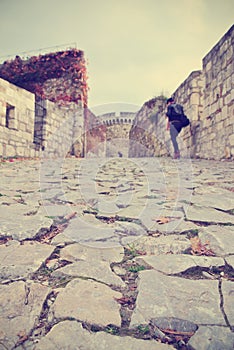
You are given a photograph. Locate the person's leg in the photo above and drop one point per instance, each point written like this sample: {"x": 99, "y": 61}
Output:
{"x": 174, "y": 133}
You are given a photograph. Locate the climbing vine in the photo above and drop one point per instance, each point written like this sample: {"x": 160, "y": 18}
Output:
{"x": 60, "y": 77}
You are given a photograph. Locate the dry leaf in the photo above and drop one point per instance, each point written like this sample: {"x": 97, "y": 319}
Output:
{"x": 124, "y": 300}
{"x": 200, "y": 249}
{"x": 22, "y": 337}
{"x": 163, "y": 220}
{"x": 70, "y": 216}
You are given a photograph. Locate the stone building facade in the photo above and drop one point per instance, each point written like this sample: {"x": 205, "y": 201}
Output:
{"x": 30, "y": 125}
{"x": 42, "y": 103}
{"x": 208, "y": 99}
{"x": 95, "y": 136}
{"x": 16, "y": 121}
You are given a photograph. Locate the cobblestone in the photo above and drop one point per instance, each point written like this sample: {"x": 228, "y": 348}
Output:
{"x": 116, "y": 252}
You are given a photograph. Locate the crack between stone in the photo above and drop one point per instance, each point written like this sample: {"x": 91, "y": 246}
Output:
{"x": 222, "y": 306}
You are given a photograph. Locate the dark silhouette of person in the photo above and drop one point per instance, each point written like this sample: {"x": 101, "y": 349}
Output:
{"x": 174, "y": 110}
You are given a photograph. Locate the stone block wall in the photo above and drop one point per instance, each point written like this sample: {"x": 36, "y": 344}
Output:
{"x": 30, "y": 125}
{"x": 117, "y": 139}
{"x": 118, "y": 125}
{"x": 208, "y": 99}
{"x": 42, "y": 103}
{"x": 217, "y": 129}
{"x": 147, "y": 135}
{"x": 94, "y": 136}
{"x": 16, "y": 121}
{"x": 190, "y": 95}
{"x": 62, "y": 129}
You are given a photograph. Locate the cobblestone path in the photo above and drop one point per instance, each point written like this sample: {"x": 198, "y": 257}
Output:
{"x": 116, "y": 253}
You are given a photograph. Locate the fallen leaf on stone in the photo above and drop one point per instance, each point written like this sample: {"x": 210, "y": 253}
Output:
{"x": 171, "y": 197}
{"x": 133, "y": 288}
{"x": 124, "y": 300}
{"x": 4, "y": 240}
{"x": 22, "y": 337}
{"x": 177, "y": 333}
{"x": 229, "y": 189}
{"x": 163, "y": 220}
{"x": 70, "y": 216}
{"x": 107, "y": 220}
{"x": 48, "y": 236}
{"x": 200, "y": 249}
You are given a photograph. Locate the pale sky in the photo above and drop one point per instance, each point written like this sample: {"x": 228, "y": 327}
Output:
{"x": 135, "y": 49}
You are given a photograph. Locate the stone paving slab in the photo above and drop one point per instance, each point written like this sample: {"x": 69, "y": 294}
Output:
{"x": 204, "y": 214}
{"x": 77, "y": 252}
{"x": 220, "y": 239}
{"x": 99, "y": 271}
{"x": 70, "y": 335}
{"x": 215, "y": 200}
{"x": 196, "y": 301}
{"x": 230, "y": 260}
{"x": 93, "y": 232}
{"x": 214, "y": 337}
{"x": 95, "y": 251}
{"x": 17, "y": 260}
{"x": 228, "y": 298}
{"x": 172, "y": 244}
{"x": 21, "y": 223}
{"x": 177, "y": 263}
{"x": 88, "y": 301}
{"x": 20, "y": 304}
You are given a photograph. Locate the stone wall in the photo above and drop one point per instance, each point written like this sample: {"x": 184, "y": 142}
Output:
{"x": 62, "y": 129}
{"x": 107, "y": 135}
{"x": 16, "y": 121}
{"x": 147, "y": 135}
{"x": 94, "y": 137}
{"x": 117, "y": 118}
{"x": 58, "y": 76}
{"x": 49, "y": 116}
{"x": 117, "y": 140}
{"x": 208, "y": 100}
{"x": 218, "y": 124}
{"x": 118, "y": 125}
{"x": 30, "y": 125}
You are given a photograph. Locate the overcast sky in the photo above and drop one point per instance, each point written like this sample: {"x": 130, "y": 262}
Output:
{"x": 135, "y": 49}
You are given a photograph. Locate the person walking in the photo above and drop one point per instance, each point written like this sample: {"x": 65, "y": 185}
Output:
{"x": 174, "y": 124}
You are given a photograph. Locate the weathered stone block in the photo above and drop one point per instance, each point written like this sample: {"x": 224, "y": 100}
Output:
{"x": 10, "y": 151}
{"x": 231, "y": 140}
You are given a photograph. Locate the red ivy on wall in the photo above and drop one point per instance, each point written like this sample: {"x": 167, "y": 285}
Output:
{"x": 68, "y": 68}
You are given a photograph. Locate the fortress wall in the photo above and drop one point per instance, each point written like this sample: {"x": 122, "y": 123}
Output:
{"x": 30, "y": 125}
{"x": 49, "y": 94}
{"x": 16, "y": 121}
{"x": 62, "y": 129}
{"x": 217, "y": 127}
{"x": 117, "y": 136}
{"x": 94, "y": 137}
{"x": 147, "y": 135}
{"x": 208, "y": 100}
{"x": 52, "y": 116}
